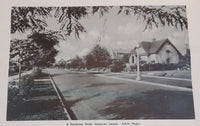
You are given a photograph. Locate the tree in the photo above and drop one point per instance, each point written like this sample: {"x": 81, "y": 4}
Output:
{"x": 158, "y": 15}
{"x": 38, "y": 50}
{"x": 34, "y": 18}
{"x": 89, "y": 61}
{"x": 98, "y": 57}
{"x": 77, "y": 62}
{"x": 46, "y": 51}
{"x": 69, "y": 18}
{"x": 23, "y": 18}
{"x": 21, "y": 51}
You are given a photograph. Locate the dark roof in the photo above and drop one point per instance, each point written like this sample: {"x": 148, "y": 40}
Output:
{"x": 152, "y": 47}
{"x": 121, "y": 51}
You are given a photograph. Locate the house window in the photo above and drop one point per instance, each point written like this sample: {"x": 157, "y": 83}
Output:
{"x": 168, "y": 60}
{"x": 133, "y": 59}
{"x": 153, "y": 62}
{"x": 168, "y": 51}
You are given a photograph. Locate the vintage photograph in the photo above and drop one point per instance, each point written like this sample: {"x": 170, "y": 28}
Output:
{"x": 99, "y": 63}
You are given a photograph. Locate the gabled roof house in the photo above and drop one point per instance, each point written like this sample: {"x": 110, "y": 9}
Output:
{"x": 118, "y": 53}
{"x": 161, "y": 51}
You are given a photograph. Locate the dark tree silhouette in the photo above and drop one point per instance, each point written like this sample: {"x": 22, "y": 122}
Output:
{"x": 98, "y": 57}
{"x": 69, "y": 18}
{"x": 21, "y": 51}
{"x": 23, "y": 18}
{"x": 89, "y": 61}
{"x": 38, "y": 50}
{"x": 46, "y": 51}
{"x": 77, "y": 62}
{"x": 158, "y": 15}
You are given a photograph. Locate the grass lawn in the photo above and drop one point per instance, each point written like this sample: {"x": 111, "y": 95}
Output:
{"x": 171, "y": 73}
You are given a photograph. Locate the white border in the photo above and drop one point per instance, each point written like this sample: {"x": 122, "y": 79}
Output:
{"x": 193, "y": 9}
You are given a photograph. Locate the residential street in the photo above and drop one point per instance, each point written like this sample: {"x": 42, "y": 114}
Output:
{"x": 84, "y": 63}
{"x": 93, "y": 97}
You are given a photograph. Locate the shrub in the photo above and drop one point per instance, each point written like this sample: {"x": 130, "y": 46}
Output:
{"x": 13, "y": 90}
{"x": 27, "y": 83}
{"x": 15, "y": 101}
{"x": 133, "y": 67}
{"x": 13, "y": 87}
{"x": 37, "y": 71}
{"x": 117, "y": 66}
{"x": 158, "y": 66}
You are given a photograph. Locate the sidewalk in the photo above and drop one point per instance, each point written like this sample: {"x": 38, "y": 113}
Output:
{"x": 42, "y": 103}
{"x": 186, "y": 83}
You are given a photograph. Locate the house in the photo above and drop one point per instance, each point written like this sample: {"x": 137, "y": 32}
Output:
{"x": 118, "y": 53}
{"x": 161, "y": 51}
{"x": 62, "y": 63}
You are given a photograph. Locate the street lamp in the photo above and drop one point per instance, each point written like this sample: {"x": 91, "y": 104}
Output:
{"x": 138, "y": 62}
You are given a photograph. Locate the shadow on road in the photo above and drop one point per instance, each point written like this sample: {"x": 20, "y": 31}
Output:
{"x": 158, "y": 104}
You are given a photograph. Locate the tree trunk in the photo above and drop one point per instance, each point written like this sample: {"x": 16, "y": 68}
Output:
{"x": 20, "y": 80}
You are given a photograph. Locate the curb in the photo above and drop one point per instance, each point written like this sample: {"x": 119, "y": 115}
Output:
{"x": 170, "y": 78}
{"x": 69, "y": 113}
{"x": 150, "y": 83}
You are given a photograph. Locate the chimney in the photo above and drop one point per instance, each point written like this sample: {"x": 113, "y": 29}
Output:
{"x": 154, "y": 40}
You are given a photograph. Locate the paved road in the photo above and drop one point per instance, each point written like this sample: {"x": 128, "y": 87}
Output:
{"x": 94, "y": 97}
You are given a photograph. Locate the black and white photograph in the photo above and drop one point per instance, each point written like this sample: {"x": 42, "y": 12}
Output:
{"x": 99, "y": 63}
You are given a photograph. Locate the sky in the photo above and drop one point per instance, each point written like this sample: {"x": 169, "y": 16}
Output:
{"x": 119, "y": 32}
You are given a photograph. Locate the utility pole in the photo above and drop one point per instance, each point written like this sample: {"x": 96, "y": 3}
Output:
{"x": 138, "y": 62}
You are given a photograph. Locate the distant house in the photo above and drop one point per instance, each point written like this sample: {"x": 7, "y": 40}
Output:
{"x": 118, "y": 53}
{"x": 62, "y": 63}
{"x": 161, "y": 51}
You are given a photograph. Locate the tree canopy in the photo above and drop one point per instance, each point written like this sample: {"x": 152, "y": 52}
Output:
{"x": 34, "y": 18}
{"x": 46, "y": 51}
{"x": 39, "y": 49}
{"x": 158, "y": 15}
{"x": 76, "y": 62}
{"x": 23, "y": 18}
{"x": 98, "y": 57}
